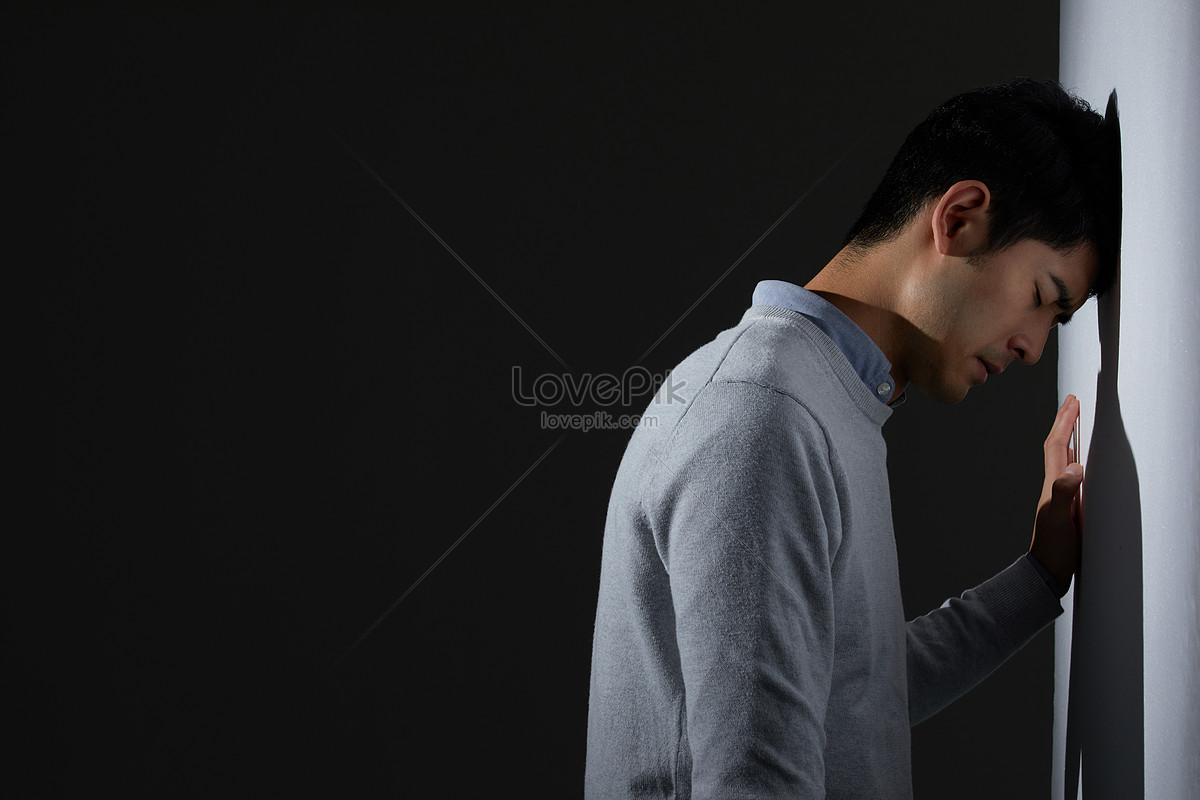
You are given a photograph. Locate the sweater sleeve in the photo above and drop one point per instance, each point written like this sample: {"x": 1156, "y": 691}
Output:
{"x": 954, "y": 647}
{"x": 749, "y": 528}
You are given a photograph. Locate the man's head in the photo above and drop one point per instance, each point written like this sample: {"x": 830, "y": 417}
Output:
{"x": 966, "y": 315}
{"x": 1050, "y": 163}
{"x": 997, "y": 219}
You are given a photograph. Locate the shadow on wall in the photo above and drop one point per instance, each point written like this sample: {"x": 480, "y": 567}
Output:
{"x": 1105, "y": 704}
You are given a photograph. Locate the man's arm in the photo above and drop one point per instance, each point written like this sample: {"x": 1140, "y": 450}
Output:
{"x": 751, "y": 528}
{"x": 952, "y": 649}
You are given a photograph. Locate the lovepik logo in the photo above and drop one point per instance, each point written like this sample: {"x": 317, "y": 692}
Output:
{"x": 601, "y": 389}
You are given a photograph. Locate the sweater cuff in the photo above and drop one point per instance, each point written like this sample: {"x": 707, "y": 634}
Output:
{"x": 1045, "y": 573}
{"x": 1021, "y": 602}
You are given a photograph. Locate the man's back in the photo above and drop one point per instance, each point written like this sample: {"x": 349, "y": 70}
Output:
{"x": 750, "y": 636}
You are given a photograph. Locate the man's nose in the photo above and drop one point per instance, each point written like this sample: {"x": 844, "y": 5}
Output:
{"x": 1028, "y": 349}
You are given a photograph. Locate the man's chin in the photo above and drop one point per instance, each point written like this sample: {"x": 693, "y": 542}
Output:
{"x": 945, "y": 392}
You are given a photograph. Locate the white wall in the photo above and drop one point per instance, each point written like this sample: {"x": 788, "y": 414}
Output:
{"x": 1127, "y": 653}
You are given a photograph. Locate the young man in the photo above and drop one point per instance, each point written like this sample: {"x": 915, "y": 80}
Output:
{"x": 749, "y": 637}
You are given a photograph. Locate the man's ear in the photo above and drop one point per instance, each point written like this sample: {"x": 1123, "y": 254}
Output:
{"x": 960, "y": 223}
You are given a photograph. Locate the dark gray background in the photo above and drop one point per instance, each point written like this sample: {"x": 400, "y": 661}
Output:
{"x": 277, "y": 400}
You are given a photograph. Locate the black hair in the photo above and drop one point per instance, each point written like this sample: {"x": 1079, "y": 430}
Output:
{"x": 1050, "y": 162}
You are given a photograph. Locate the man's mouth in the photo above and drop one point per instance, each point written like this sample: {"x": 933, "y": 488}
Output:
{"x": 991, "y": 368}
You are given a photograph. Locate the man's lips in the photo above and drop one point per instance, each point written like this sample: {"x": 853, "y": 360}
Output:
{"x": 991, "y": 368}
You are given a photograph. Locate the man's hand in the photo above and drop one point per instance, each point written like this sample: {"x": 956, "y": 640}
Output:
{"x": 1056, "y": 530}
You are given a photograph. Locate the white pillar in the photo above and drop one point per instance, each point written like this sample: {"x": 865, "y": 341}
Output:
{"x": 1127, "y": 653}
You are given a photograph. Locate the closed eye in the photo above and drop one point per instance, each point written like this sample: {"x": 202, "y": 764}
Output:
{"x": 1064, "y": 300}
{"x": 1061, "y": 319}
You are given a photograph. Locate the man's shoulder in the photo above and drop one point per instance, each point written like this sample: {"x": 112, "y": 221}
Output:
{"x": 767, "y": 371}
{"x": 784, "y": 351}
{"x": 773, "y": 374}
{"x": 779, "y": 353}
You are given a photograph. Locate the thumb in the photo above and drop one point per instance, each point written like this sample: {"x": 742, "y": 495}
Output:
{"x": 1067, "y": 484}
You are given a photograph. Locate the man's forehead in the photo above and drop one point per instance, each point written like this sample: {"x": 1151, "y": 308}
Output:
{"x": 1079, "y": 269}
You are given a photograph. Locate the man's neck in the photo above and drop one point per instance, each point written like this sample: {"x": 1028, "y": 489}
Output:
{"x": 863, "y": 286}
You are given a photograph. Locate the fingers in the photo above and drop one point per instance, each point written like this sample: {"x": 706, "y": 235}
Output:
{"x": 1057, "y": 453}
{"x": 1064, "y": 423}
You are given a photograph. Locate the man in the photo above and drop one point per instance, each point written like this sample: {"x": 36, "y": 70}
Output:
{"x": 749, "y": 637}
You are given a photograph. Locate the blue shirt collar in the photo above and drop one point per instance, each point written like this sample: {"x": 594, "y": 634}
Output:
{"x": 860, "y": 350}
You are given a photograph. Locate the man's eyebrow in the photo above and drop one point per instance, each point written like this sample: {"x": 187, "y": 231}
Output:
{"x": 1064, "y": 301}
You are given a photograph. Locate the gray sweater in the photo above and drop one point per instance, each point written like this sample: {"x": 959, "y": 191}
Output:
{"x": 750, "y": 638}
